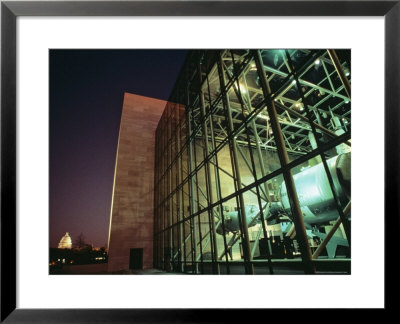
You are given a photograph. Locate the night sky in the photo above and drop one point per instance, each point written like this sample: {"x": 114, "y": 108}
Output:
{"x": 86, "y": 96}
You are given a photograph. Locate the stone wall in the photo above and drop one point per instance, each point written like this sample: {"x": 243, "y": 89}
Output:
{"x": 132, "y": 217}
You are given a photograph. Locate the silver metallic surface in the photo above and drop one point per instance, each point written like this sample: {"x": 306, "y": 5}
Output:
{"x": 314, "y": 193}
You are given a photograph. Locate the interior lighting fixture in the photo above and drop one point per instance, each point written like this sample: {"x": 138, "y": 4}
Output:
{"x": 263, "y": 116}
{"x": 241, "y": 86}
{"x": 299, "y": 106}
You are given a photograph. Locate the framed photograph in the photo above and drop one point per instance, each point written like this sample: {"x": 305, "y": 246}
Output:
{"x": 299, "y": 65}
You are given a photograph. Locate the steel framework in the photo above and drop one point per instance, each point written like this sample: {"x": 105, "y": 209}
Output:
{"x": 238, "y": 124}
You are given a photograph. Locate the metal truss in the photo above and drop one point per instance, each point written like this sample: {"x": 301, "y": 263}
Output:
{"x": 319, "y": 82}
{"x": 293, "y": 103}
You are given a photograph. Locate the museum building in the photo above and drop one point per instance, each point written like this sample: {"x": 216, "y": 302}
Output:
{"x": 244, "y": 170}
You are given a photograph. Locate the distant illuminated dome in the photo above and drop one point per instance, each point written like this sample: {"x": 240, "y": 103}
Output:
{"x": 65, "y": 242}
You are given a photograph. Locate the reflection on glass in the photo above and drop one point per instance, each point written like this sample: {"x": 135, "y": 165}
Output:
{"x": 222, "y": 206}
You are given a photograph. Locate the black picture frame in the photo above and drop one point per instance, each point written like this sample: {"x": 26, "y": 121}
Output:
{"x": 10, "y": 10}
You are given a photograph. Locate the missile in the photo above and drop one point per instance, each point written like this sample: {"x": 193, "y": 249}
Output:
{"x": 232, "y": 220}
{"x": 314, "y": 193}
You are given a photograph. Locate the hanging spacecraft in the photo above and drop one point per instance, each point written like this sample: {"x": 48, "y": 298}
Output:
{"x": 314, "y": 193}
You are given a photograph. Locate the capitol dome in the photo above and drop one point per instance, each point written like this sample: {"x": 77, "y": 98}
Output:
{"x": 65, "y": 242}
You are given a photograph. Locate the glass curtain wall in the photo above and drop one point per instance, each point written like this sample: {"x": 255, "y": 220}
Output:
{"x": 252, "y": 172}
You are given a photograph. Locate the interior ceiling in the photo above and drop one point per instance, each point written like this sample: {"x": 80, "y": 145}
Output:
{"x": 320, "y": 83}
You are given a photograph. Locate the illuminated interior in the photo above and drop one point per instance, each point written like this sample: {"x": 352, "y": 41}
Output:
{"x": 252, "y": 169}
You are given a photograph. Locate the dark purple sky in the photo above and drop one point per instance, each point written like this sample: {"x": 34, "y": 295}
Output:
{"x": 86, "y": 95}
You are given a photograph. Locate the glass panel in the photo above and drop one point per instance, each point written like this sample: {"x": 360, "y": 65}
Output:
{"x": 319, "y": 100}
{"x": 220, "y": 126}
{"x": 246, "y": 165}
{"x": 225, "y": 171}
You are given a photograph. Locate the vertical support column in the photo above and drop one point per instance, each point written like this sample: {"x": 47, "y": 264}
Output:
{"x": 339, "y": 70}
{"x": 170, "y": 201}
{"x": 157, "y": 200}
{"x": 284, "y": 160}
{"x": 232, "y": 140}
{"x": 208, "y": 176}
{"x": 182, "y": 204}
{"x": 160, "y": 190}
{"x": 155, "y": 203}
{"x": 198, "y": 208}
{"x": 178, "y": 189}
{"x": 218, "y": 182}
{"x": 155, "y": 207}
{"x": 190, "y": 183}
{"x": 165, "y": 191}
{"x": 193, "y": 209}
